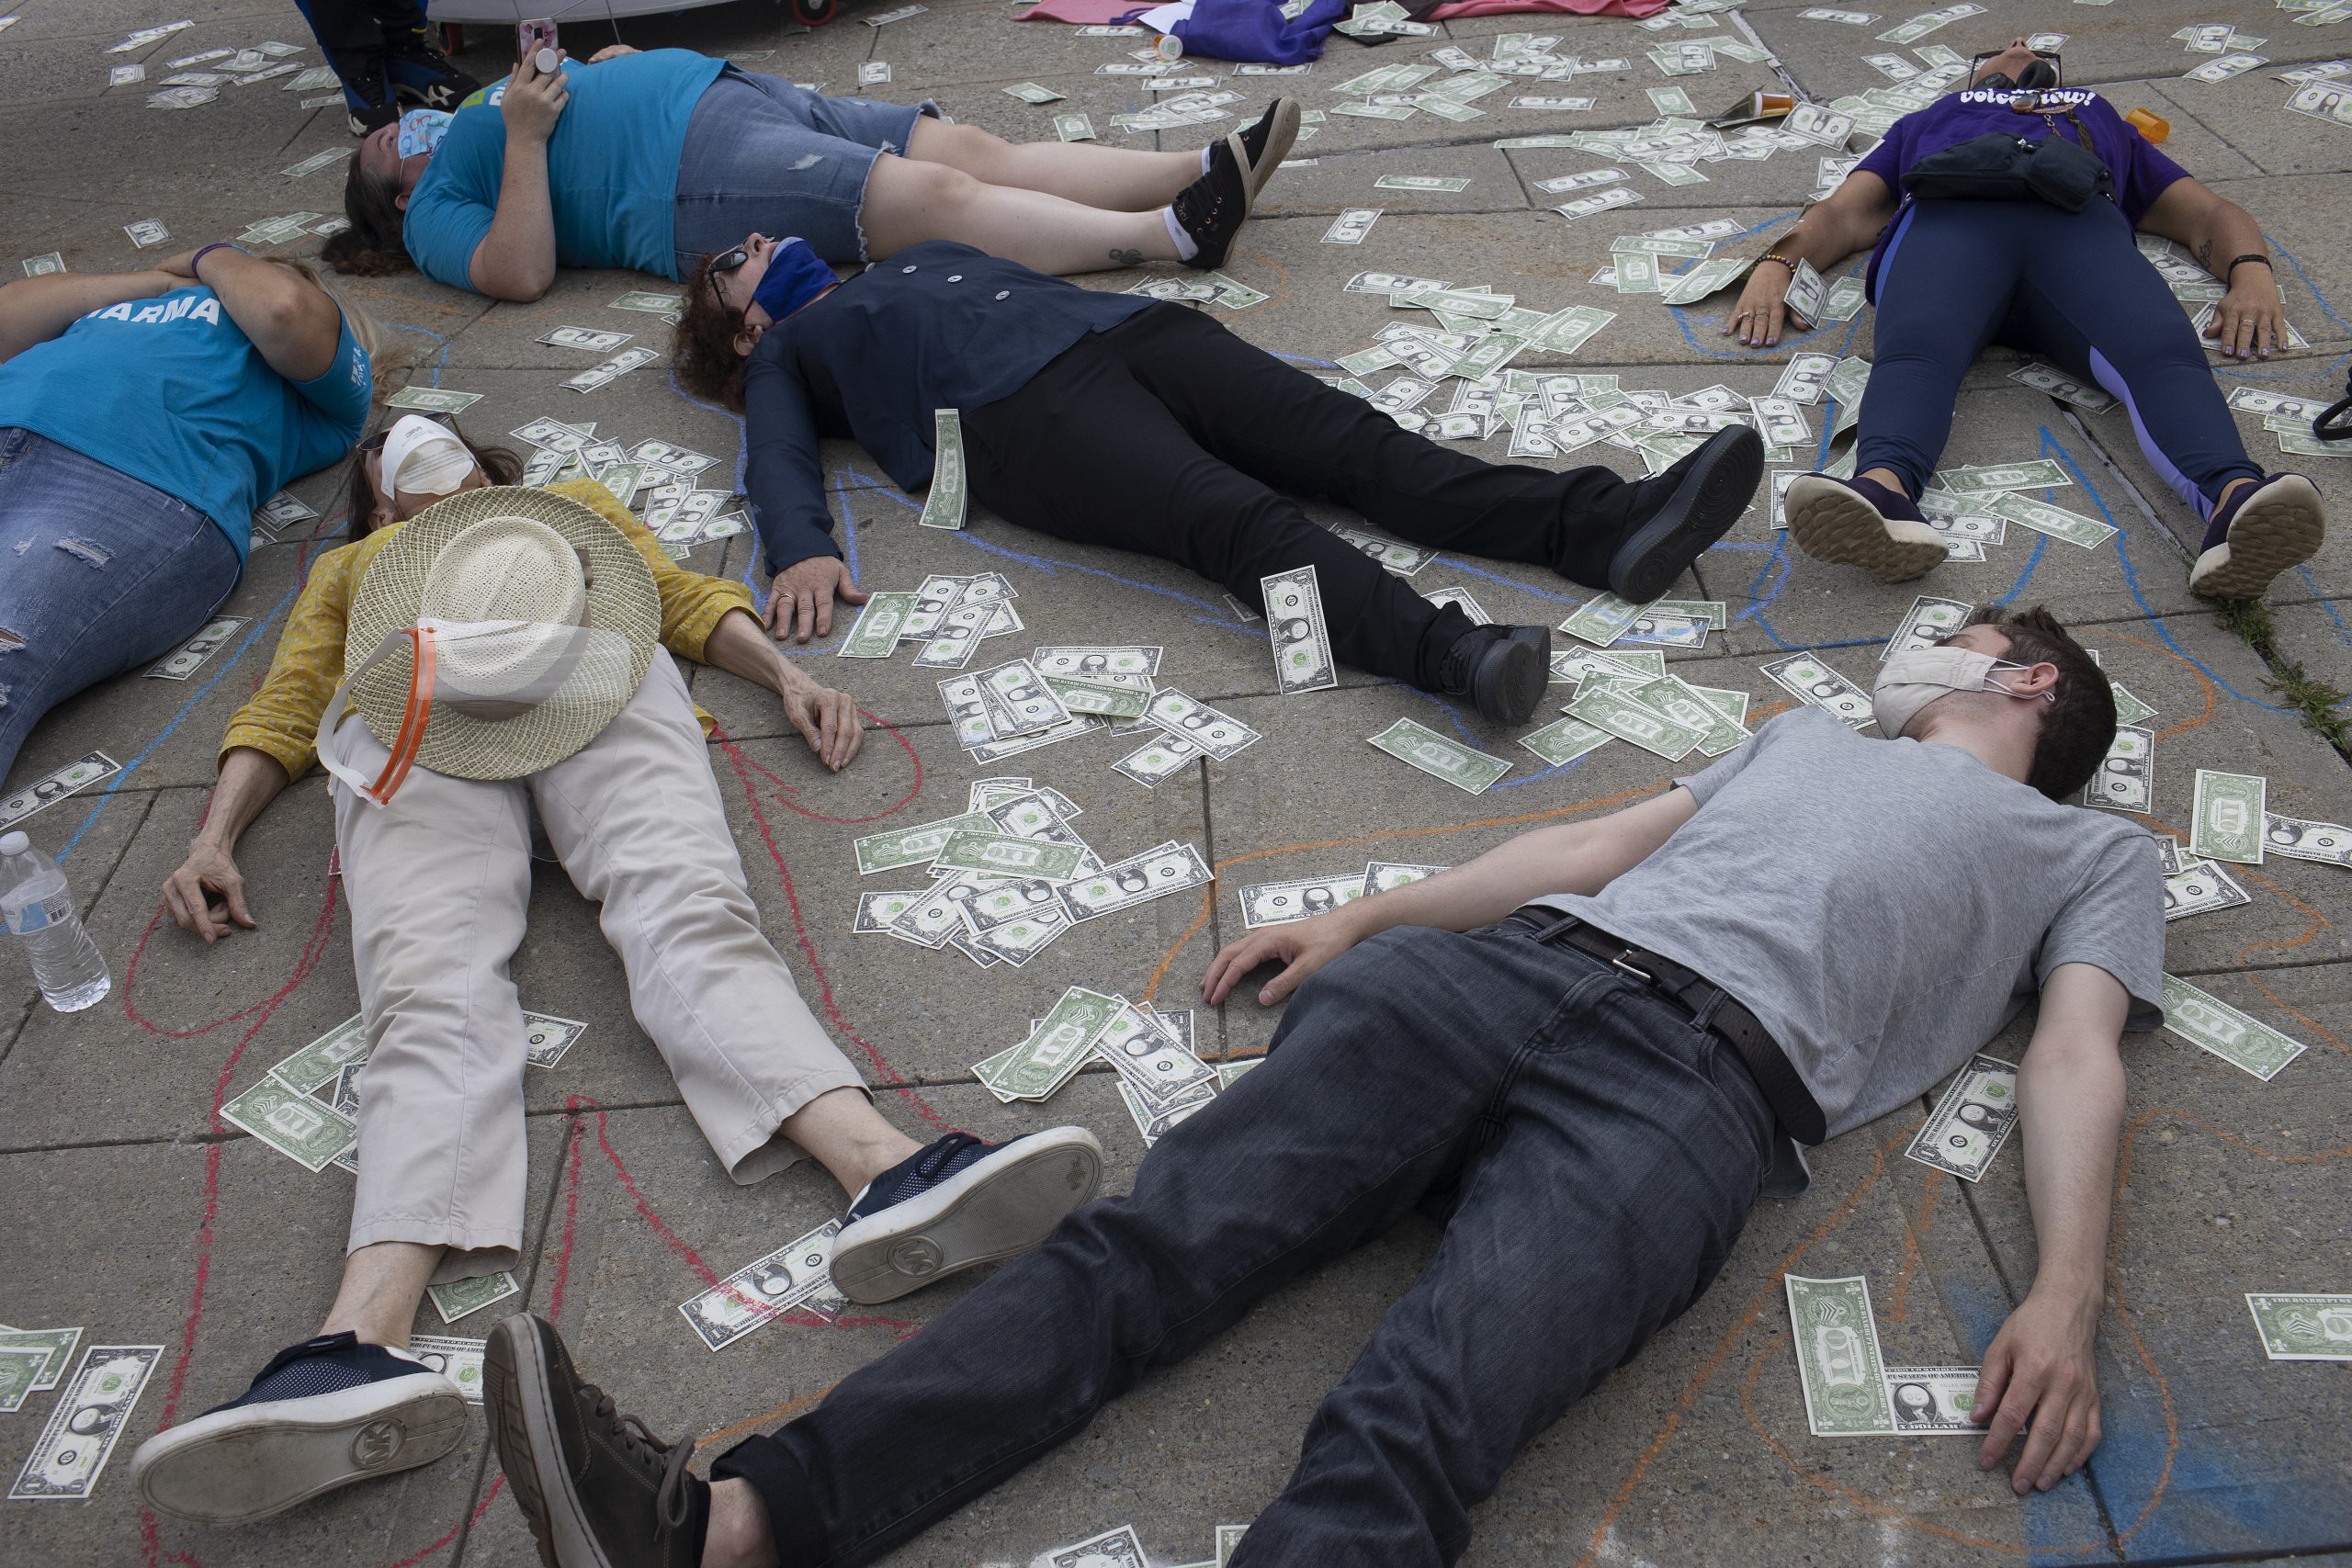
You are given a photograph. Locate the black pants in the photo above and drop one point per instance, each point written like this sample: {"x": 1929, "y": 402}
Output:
{"x": 1170, "y": 437}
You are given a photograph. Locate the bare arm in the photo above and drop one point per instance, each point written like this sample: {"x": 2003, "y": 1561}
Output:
{"x": 1581, "y": 857}
{"x": 35, "y": 310}
{"x": 1849, "y": 220}
{"x": 2217, "y": 231}
{"x": 516, "y": 259}
{"x": 249, "y": 781}
{"x": 826, "y": 718}
{"x": 2042, "y": 1366}
{"x": 289, "y": 318}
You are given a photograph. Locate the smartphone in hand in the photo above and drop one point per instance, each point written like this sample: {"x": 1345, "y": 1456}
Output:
{"x": 534, "y": 42}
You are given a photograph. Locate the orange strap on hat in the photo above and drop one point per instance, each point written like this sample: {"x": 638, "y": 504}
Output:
{"x": 411, "y": 737}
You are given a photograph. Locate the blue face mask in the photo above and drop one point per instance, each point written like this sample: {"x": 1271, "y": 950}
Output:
{"x": 795, "y": 276}
{"x": 422, "y": 130}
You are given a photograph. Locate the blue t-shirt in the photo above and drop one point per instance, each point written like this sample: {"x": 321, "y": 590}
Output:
{"x": 2141, "y": 173}
{"x": 171, "y": 391}
{"x": 612, "y": 169}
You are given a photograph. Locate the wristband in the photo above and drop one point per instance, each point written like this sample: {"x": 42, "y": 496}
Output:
{"x": 196, "y": 260}
{"x": 1775, "y": 256}
{"x": 2235, "y": 262}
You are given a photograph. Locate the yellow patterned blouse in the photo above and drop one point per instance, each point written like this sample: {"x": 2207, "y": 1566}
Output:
{"x": 282, "y": 719}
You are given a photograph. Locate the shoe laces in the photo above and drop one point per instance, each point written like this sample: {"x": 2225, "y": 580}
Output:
{"x": 671, "y": 1504}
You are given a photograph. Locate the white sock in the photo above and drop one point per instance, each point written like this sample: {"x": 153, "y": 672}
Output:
{"x": 1204, "y": 158}
{"x": 1185, "y": 249}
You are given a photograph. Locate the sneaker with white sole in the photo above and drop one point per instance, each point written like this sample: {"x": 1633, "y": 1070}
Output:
{"x": 1861, "y": 523}
{"x": 1259, "y": 149}
{"x": 322, "y": 1415}
{"x": 958, "y": 1204}
{"x": 2258, "y": 533}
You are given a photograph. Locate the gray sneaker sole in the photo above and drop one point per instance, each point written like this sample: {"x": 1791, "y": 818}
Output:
{"x": 2280, "y": 526}
{"x": 997, "y": 1208}
{"x": 519, "y": 1382}
{"x": 236, "y": 1466}
{"x": 1830, "y": 523}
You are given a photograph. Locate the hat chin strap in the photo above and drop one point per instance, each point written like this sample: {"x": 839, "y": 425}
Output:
{"x": 408, "y": 739}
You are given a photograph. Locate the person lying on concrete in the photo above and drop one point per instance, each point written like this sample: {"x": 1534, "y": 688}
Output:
{"x": 1949, "y": 275}
{"x": 144, "y": 417}
{"x": 1594, "y": 1068}
{"x": 543, "y": 624}
{"x": 651, "y": 159}
{"x": 1112, "y": 419}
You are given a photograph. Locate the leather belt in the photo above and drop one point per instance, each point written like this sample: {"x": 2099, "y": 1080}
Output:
{"x": 1729, "y": 1018}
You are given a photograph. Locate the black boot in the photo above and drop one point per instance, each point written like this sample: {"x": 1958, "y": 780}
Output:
{"x": 1503, "y": 670}
{"x": 1683, "y": 511}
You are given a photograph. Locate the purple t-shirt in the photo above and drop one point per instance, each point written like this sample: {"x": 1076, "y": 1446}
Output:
{"x": 2141, "y": 172}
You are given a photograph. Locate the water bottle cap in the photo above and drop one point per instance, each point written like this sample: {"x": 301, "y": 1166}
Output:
{"x": 14, "y": 843}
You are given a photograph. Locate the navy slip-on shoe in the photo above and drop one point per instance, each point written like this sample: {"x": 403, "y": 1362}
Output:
{"x": 322, "y": 1415}
{"x": 2257, "y": 534}
{"x": 1861, "y": 523}
{"x": 958, "y": 1204}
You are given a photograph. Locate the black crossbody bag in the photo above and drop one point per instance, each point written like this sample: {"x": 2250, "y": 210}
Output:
{"x": 2002, "y": 166}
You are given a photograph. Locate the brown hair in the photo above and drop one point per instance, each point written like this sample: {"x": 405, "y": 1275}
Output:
{"x": 702, "y": 349}
{"x": 372, "y": 246}
{"x": 2080, "y": 725}
{"x": 359, "y": 497}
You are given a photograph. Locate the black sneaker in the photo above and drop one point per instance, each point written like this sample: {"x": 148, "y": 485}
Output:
{"x": 1503, "y": 670}
{"x": 598, "y": 1490}
{"x": 1698, "y": 501}
{"x": 960, "y": 1203}
{"x": 1863, "y": 523}
{"x": 2255, "y": 534}
{"x": 324, "y": 1414}
{"x": 1260, "y": 150}
{"x": 1213, "y": 207}
{"x": 367, "y": 101}
{"x": 423, "y": 77}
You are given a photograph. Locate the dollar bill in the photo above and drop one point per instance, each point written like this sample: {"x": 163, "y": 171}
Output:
{"x": 1808, "y": 678}
{"x": 86, "y": 1424}
{"x": 1229, "y": 1541}
{"x": 879, "y": 621}
{"x": 1678, "y": 700}
{"x": 2126, "y": 777}
{"x": 1851, "y": 18}
{"x": 147, "y": 231}
{"x": 1152, "y": 1057}
{"x": 53, "y": 1350}
{"x": 1302, "y": 642}
{"x": 647, "y": 301}
{"x": 1602, "y": 619}
{"x": 299, "y": 1127}
{"x": 1018, "y": 700}
{"x": 1465, "y": 767}
{"x": 1099, "y": 663}
{"x": 1695, "y": 285}
{"x": 1593, "y": 205}
{"x": 2227, "y": 815}
{"x": 944, "y": 507}
{"x": 1112, "y": 1548}
{"x": 1808, "y": 292}
{"x": 1444, "y": 183}
{"x": 2302, "y": 1326}
{"x": 546, "y": 1037}
{"x": 1393, "y": 556}
{"x": 1074, "y": 128}
{"x": 1156, "y": 761}
{"x": 1380, "y": 876}
{"x": 1277, "y": 903}
{"x": 884, "y": 19}
{"x": 1565, "y": 739}
{"x": 193, "y": 654}
{"x": 1351, "y": 226}
{"x": 462, "y": 1298}
{"x": 1166, "y": 868}
{"x": 1004, "y": 854}
{"x": 1392, "y": 283}
{"x": 1627, "y": 718}
{"x": 916, "y": 845}
{"x": 584, "y": 337}
{"x": 322, "y": 1059}
{"x": 1784, "y": 422}
{"x": 2059, "y": 385}
{"x": 1671, "y": 100}
{"x": 1219, "y": 735}
{"x": 1565, "y": 332}
{"x": 433, "y": 400}
{"x": 2201, "y": 888}
{"x": 1928, "y": 622}
{"x": 677, "y": 459}
{"x": 1805, "y": 377}
{"x": 1054, "y": 1050}
{"x": 459, "y": 1361}
{"x": 2297, "y": 838}
{"x": 1461, "y": 599}
{"x": 877, "y": 911}
{"x": 19, "y": 1366}
{"x": 1971, "y": 1120}
{"x": 1030, "y": 93}
{"x": 611, "y": 370}
{"x": 1154, "y": 1119}
{"x": 1563, "y": 184}
{"x": 2211, "y": 1024}
{"x": 798, "y": 1275}
{"x": 2129, "y": 709}
{"x": 873, "y": 73}
{"x": 1988, "y": 479}
{"x": 1933, "y": 1399}
{"x": 2088, "y": 533}
{"x": 1837, "y": 1356}
{"x": 2222, "y": 70}
{"x": 283, "y": 510}
{"x": 1819, "y": 124}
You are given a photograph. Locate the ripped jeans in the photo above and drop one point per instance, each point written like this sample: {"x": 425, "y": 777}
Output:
{"x": 99, "y": 573}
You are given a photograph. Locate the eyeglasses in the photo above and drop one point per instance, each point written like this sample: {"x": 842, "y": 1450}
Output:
{"x": 724, "y": 265}
{"x": 2048, "y": 56}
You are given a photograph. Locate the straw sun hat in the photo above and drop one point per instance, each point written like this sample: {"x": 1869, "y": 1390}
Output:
{"x": 541, "y": 618}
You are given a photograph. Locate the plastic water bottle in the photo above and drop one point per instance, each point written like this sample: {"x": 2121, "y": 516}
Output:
{"x": 37, "y": 905}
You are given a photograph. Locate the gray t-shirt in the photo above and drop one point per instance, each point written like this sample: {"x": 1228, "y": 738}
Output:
{"x": 1886, "y": 906}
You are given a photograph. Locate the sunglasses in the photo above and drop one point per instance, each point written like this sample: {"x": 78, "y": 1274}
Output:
{"x": 725, "y": 264}
{"x": 2048, "y": 56}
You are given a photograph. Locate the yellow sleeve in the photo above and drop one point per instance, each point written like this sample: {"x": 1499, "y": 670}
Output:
{"x": 692, "y": 602}
{"x": 282, "y": 718}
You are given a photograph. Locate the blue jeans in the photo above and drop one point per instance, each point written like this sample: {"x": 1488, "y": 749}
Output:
{"x": 99, "y": 573}
{"x": 1594, "y": 1151}
{"x": 764, "y": 154}
{"x": 2073, "y": 286}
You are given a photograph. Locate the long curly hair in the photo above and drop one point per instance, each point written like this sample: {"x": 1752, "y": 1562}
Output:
{"x": 702, "y": 349}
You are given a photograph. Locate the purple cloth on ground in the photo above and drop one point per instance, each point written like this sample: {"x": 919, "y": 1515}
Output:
{"x": 1256, "y": 31}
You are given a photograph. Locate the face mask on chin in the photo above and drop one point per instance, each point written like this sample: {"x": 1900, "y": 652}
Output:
{"x": 1911, "y": 680}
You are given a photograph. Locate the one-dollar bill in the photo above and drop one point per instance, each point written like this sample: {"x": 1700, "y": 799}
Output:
{"x": 1465, "y": 767}
{"x": 1837, "y": 1356}
{"x": 944, "y": 507}
{"x": 1302, "y": 642}
{"x": 2240, "y": 1038}
{"x": 85, "y": 1422}
{"x": 2302, "y": 1326}
{"x": 2227, "y": 817}
{"x": 1972, "y": 1121}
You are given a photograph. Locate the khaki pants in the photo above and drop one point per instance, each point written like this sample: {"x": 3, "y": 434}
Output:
{"x": 438, "y": 883}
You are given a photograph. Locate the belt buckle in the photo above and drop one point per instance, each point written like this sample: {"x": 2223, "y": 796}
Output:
{"x": 1643, "y": 976}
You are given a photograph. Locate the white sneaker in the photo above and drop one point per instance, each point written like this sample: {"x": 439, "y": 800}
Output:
{"x": 2277, "y": 525}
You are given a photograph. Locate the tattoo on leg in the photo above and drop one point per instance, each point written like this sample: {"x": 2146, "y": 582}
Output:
{"x": 1127, "y": 258}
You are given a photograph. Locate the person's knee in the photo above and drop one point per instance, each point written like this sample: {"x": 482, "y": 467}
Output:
{"x": 964, "y": 147}
{"x": 908, "y": 201}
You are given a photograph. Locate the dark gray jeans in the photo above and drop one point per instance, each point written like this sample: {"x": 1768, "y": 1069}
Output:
{"x": 1595, "y": 1150}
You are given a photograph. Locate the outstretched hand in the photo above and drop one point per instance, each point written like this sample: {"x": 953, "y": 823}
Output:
{"x": 800, "y": 598}
{"x": 2249, "y": 322}
{"x": 827, "y": 720}
{"x": 1301, "y": 947}
{"x": 1763, "y": 307}
{"x": 189, "y": 893}
{"x": 2042, "y": 1370}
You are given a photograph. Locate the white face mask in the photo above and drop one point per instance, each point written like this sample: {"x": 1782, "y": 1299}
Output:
{"x": 1911, "y": 680}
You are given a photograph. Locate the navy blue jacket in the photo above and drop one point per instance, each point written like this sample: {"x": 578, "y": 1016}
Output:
{"x": 939, "y": 325}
